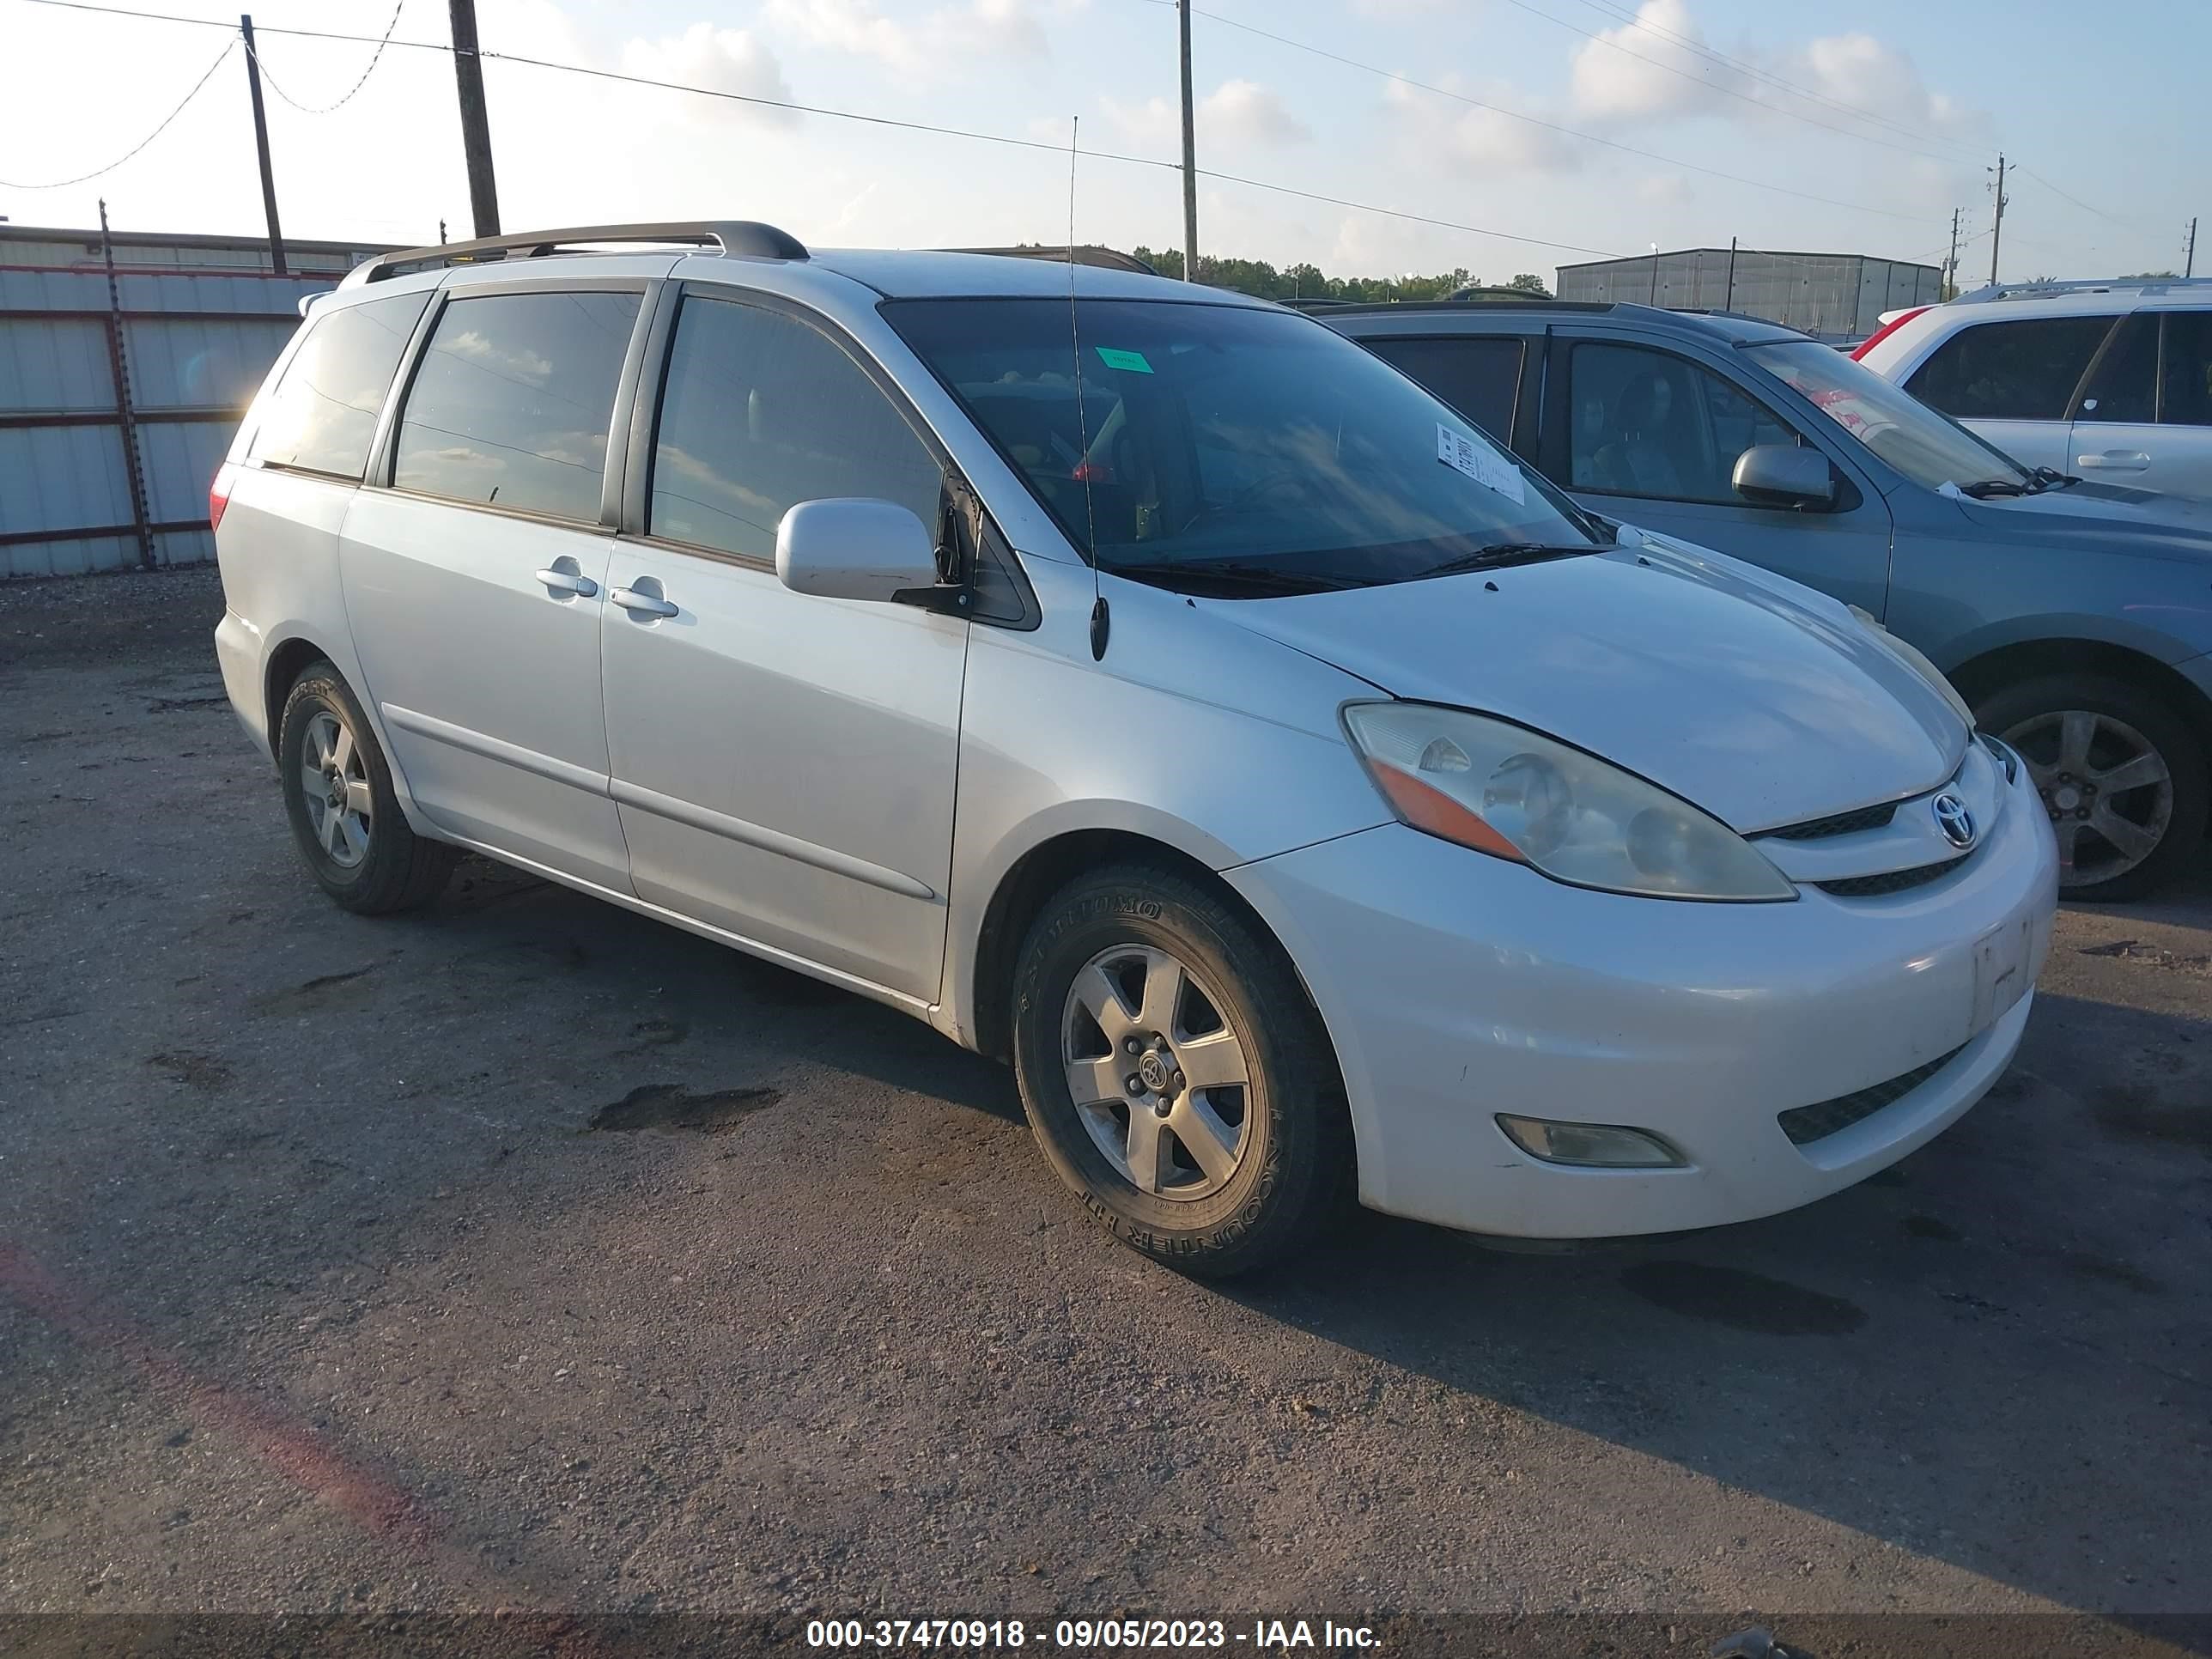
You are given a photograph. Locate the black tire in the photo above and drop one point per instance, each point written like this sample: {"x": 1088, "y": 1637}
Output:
{"x": 1294, "y": 1173}
{"x": 2021, "y": 715}
{"x": 398, "y": 870}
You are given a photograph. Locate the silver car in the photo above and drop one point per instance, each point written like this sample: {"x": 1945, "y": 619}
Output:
{"x": 1144, "y": 684}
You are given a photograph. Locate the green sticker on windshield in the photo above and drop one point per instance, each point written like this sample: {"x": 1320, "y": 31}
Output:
{"x": 1133, "y": 361}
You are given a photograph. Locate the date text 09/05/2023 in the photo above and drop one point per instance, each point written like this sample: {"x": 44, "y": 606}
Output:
{"x": 1262, "y": 1635}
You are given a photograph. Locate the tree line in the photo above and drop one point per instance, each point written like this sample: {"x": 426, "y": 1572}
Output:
{"x": 1304, "y": 280}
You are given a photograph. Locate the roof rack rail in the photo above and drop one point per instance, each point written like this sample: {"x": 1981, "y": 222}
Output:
{"x": 1106, "y": 258}
{"x": 741, "y": 237}
{"x": 1991, "y": 292}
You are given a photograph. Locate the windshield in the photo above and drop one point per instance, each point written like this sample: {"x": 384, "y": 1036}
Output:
{"x": 1929, "y": 448}
{"x": 1256, "y": 445}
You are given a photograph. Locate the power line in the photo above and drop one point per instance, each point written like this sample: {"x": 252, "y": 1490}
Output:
{"x": 844, "y": 115}
{"x": 374, "y": 58}
{"x": 1549, "y": 126}
{"x": 1635, "y": 20}
{"x": 2077, "y": 201}
{"x": 83, "y": 177}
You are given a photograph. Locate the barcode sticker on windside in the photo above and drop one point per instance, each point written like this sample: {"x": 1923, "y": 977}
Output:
{"x": 1480, "y": 463}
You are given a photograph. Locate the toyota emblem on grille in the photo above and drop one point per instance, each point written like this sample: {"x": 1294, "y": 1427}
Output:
{"x": 1953, "y": 818}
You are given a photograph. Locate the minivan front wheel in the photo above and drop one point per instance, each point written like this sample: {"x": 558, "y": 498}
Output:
{"x": 2121, "y": 774}
{"x": 344, "y": 813}
{"x": 1177, "y": 1075}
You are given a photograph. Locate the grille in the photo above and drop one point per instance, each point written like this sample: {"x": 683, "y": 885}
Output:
{"x": 1890, "y": 881}
{"x": 1842, "y": 823}
{"x": 1807, "y": 1124}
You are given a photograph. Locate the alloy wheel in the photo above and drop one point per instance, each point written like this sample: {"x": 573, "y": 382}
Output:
{"x": 1159, "y": 1078}
{"x": 2108, "y": 790}
{"x": 334, "y": 787}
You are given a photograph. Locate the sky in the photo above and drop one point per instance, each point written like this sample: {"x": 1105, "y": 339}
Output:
{"x": 1892, "y": 112}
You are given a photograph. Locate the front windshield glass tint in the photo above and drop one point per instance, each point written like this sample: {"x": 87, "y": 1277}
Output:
{"x": 1212, "y": 435}
{"x": 1929, "y": 448}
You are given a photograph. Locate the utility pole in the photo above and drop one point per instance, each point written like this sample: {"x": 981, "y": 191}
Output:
{"x": 1189, "y": 155}
{"x": 1996, "y": 225}
{"x": 1951, "y": 264}
{"x": 476, "y": 125}
{"x": 2189, "y": 269}
{"x": 261, "y": 144}
{"x": 1729, "y": 304}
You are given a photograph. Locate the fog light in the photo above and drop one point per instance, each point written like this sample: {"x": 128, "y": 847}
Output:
{"x": 1590, "y": 1145}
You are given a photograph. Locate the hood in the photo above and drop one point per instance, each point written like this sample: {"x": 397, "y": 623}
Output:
{"x": 2094, "y": 516}
{"x": 1761, "y": 702}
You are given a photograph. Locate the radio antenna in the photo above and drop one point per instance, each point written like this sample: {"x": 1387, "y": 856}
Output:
{"x": 1100, "y": 622}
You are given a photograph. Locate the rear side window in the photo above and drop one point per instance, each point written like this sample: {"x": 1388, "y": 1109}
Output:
{"x": 2187, "y": 399}
{"x": 2123, "y": 386}
{"x": 761, "y": 412}
{"x": 322, "y": 413}
{"x": 511, "y": 404}
{"x": 1649, "y": 423}
{"x": 1480, "y": 378}
{"x": 2024, "y": 370}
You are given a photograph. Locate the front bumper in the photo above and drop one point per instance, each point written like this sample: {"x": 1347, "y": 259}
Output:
{"x": 1456, "y": 987}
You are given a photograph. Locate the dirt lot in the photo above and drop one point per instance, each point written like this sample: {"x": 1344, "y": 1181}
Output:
{"x": 524, "y": 1254}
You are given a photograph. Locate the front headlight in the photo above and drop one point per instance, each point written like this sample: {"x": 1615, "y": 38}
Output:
{"x": 1504, "y": 790}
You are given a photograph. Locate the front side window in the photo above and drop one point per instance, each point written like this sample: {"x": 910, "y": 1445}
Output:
{"x": 511, "y": 403}
{"x": 2186, "y": 399}
{"x": 1651, "y": 424}
{"x": 761, "y": 412}
{"x": 321, "y": 415}
{"x": 1480, "y": 378}
{"x": 1929, "y": 448}
{"x": 1252, "y": 447}
{"x": 2021, "y": 370}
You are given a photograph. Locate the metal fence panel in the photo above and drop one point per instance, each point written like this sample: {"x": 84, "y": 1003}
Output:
{"x": 54, "y": 365}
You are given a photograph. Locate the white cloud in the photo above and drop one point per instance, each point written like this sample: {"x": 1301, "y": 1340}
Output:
{"x": 1248, "y": 110}
{"x": 1637, "y": 71}
{"x": 1459, "y": 136}
{"x": 1662, "y": 189}
{"x": 723, "y": 60}
{"x": 1238, "y": 111}
{"x": 1662, "y": 65}
{"x": 1005, "y": 28}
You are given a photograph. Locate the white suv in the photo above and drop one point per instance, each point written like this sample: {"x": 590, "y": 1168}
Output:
{"x": 1145, "y": 684}
{"x": 2109, "y": 381}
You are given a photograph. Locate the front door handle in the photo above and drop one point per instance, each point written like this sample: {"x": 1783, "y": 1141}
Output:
{"x": 2115, "y": 461}
{"x": 646, "y": 605}
{"x": 558, "y": 580}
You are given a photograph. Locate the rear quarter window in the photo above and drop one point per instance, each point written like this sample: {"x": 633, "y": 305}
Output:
{"x": 321, "y": 414}
{"x": 2022, "y": 370}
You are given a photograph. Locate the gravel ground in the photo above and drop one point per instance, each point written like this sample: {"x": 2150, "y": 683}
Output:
{"x": 524, "y": 1254}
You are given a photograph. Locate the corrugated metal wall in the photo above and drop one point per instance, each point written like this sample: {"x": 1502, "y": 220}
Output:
{"x": 1833, "y": 296}
{"x": 195, "y": 344}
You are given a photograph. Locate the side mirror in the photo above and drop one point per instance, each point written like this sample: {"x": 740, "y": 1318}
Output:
{"x": 1785, "y": 475}
{"x": 855, "y": 548}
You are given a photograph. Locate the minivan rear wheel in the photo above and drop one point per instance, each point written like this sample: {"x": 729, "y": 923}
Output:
{"x": 1177, "y": 1075}
{"x": 2122, "y": 776}
{"x": 343, "y": 810}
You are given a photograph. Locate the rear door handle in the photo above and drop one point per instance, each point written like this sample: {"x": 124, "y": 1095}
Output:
{"x": 2115, "y": 461}
{"x": 565, "y": 581}
{"x": 644, "y": 603}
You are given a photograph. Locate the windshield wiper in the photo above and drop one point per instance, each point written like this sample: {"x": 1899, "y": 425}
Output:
{"x": 2049, "y": 478}
{"x": 1498, "y": 555}
{"x": 1983, "y": 488}
{"x": 1234, "y": 573}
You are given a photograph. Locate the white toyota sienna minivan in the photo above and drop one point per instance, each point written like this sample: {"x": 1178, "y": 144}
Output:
{"x": 1144, "y": 684}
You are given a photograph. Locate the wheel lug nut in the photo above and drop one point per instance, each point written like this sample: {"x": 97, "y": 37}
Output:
{"x": 1130, "y": 1045}
{"x": 1160, "y": 1108}
{"x": 1136, "y": 1084}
